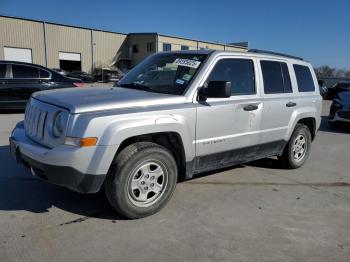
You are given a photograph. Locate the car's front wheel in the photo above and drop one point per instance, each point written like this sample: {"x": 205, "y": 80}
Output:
{"x": 141, "y": 180}
{"x": 298, "y": 148}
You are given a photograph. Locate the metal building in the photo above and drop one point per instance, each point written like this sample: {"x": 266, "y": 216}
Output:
{"x": 77, "y": 48}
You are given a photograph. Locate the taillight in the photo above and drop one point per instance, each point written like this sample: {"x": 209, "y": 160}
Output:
{"x": 79, "y": 84}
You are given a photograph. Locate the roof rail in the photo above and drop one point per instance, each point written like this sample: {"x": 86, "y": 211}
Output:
{"x": 273, "y": 53}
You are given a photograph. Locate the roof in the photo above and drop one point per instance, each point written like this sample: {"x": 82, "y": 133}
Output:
{"x": 22, "y": 63}
{"x": 61, "y": 24}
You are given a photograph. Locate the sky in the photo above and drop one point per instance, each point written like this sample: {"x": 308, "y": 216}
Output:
{"x": 318, "y": 31}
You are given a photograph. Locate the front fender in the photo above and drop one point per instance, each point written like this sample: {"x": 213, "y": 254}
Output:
{"x": 122, "y": 129}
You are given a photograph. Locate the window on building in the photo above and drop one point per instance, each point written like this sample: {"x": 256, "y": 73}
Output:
{"x": 20, "y": 71}
{"x": 304, "y": 78}
{"x": 185, "y": 47}
{"x": 276, "y": 77}
{"x": 166, "y": 47}
{"x": 240, "y": 72}
{"x": 150, "y": 47}
{"x": 2, "y": 70}
{"x": 135, "y": 48}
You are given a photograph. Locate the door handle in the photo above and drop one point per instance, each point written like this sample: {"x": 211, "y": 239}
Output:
{"x": 291, "y": 104}
{"x": 250, "y": 108}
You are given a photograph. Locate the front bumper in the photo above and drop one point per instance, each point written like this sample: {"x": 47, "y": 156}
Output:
{"x": 79, "y": 169}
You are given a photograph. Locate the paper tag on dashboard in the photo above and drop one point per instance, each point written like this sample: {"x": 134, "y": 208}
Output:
{"x": 187, "y": 62}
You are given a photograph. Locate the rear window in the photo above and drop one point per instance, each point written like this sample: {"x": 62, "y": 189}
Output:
{"x": 2, "y": 70}
{"x": 304, "y": 78}
{"x": 276, "y": 77}
{"x": 20, "y": 71}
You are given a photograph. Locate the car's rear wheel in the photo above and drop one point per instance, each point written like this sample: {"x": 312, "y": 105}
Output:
{"x": 141, "y": 180}
{"x": 298, "y": 148}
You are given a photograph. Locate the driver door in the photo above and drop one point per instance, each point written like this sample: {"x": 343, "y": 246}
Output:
{"x": 227, "y": 130}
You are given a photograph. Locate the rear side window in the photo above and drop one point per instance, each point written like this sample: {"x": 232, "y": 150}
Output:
{"x": 2, "y": 70}
{"x": 276, "y": 77}
{"x": 44, "y": 74}
{"x": 304, "y": 78}
{"x": 20, "y": 71}
{"x": 240, "y": 72}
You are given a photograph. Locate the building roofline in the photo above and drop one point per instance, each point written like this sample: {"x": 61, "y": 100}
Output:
{"x": 113, "y": 32}
{"x": 61, "y": 24}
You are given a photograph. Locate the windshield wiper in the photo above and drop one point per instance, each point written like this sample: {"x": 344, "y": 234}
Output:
{"x": 135, "y": 85}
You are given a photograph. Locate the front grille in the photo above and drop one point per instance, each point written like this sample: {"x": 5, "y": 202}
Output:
{"x": 344, "y": 114}
{"x": 34, "y": 121}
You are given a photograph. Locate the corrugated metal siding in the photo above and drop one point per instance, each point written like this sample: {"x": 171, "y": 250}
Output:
{"x": 141, "y": 41}
{"x": 108, "y": 47}
{"x": 68, "y": 39}
{"x": 176, "y": 43}
{"x": 207, "y": 45}
{"x": 23, "y": 34}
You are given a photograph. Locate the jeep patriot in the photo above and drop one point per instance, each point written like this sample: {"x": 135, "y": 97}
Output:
{"x": 174, "y": 115}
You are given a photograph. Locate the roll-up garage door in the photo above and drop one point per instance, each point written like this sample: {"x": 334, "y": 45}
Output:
{"x": 69, "y": 61}
{"x": 18, "y": 54}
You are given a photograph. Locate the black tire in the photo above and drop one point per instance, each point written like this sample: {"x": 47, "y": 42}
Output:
{"x": 124, "y": 169}
{"x": 288, "y": 159}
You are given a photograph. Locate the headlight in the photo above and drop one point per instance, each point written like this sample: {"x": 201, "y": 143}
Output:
{"x": 59, "y": 123}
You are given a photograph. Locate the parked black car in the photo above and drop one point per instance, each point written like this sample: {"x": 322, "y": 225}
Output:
{"x": 340, "y": 108}
{"x": 338, "y": 87}
{"x": 60, "y": 71}
{"x": 83, "y": 76}
{"x": 19, "y": 80}
{"x": 106, "y": 75}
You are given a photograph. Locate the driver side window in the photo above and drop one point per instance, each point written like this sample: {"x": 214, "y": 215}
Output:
{"x": 240, "y": 72}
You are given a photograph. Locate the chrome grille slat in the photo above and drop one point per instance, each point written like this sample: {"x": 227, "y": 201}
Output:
{"x": 34, "y": 122}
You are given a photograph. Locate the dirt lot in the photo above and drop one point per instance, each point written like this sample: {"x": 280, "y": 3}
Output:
{"x": 254, "y": 212}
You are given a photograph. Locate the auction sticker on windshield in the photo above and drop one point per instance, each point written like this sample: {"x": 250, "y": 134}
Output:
{"x": 187, "y": 62}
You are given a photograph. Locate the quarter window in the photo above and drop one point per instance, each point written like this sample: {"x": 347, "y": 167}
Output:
{"x": 20, "y": 71}
{"x": 44, "y": 74}
{"x": 276, "y": 77}
{"x": 240, "y": 72}
{"x": 304, "y": 78}
{"x": 2, "y": 70}
{"x": 166, "y": 47}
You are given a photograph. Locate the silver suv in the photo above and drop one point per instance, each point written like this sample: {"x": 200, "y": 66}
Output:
{"x": 174, "y": 115}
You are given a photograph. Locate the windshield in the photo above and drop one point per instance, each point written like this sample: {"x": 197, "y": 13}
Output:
{"x": 164, "y": 73}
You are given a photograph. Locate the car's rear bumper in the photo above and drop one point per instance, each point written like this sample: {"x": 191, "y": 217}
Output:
{"x": 66, "y": 166}
{"x": 343, "y": 116}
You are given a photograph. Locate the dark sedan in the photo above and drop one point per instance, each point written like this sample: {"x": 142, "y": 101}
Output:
{"x": 340, "y": 108}
{"x": 338, "y": 87}
{"x": 19, "y": 80}
{"x": 83, "y": 76}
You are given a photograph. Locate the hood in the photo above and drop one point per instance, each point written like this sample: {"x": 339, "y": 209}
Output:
{"x": 81, "y": 100}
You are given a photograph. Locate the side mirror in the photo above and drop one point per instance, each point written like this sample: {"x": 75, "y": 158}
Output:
{"x": 215, "y": 89}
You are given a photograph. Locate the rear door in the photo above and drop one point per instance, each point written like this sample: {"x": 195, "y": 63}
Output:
{"x": 279, "y": 103}
{"x": 4, "y": 90}
{"x": 25, "y": 80}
